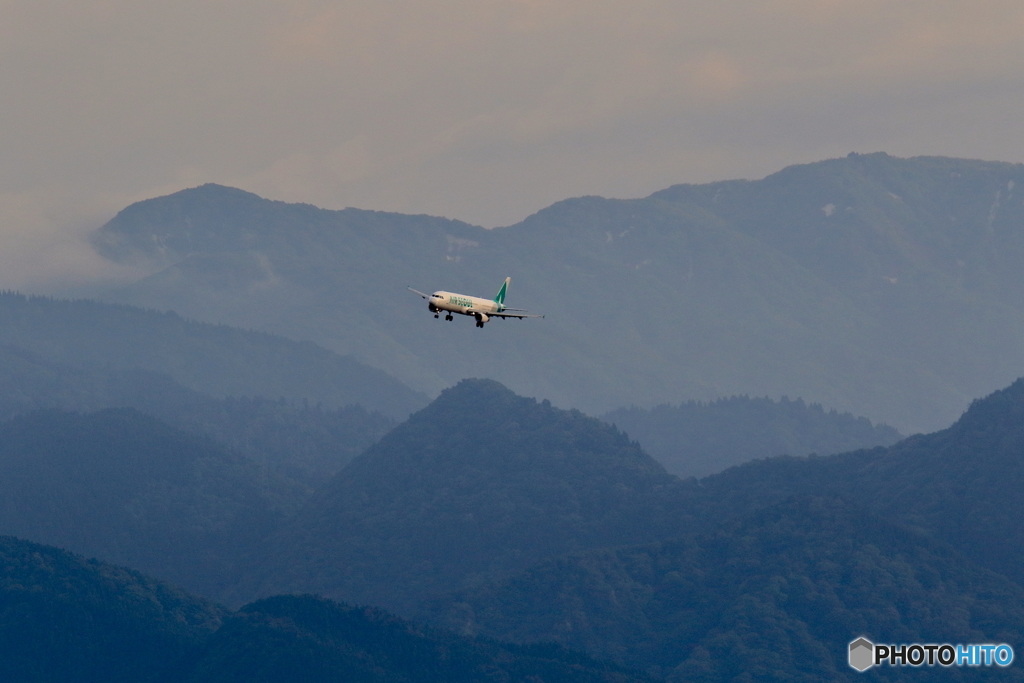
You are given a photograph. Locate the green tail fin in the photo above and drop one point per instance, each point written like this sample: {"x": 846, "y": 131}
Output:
{"x": 500, "y": 299}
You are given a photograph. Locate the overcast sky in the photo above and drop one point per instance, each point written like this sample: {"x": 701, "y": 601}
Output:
{"x": 482, "y": 110}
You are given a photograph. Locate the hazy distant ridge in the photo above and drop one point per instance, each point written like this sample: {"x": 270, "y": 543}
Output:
{"x": 64, "y": 351}
{"x": 885, "y": 287}
{"x": 694, "y": 439}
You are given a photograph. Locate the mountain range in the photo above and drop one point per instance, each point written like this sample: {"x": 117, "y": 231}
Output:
{"x": 870, "y": 284}
{"x": 790, "y": 558}
{"x": 556, "y": 527}
{"x": 339, "y": 524}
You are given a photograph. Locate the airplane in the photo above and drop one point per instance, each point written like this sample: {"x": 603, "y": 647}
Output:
{"x": 481, "y": 309}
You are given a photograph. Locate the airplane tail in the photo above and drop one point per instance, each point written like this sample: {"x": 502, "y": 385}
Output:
{"x": 500, "y": 299}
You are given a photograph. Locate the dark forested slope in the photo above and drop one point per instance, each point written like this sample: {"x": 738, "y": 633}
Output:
{"x": 484, "y": 482}
{"x": 773, "y": 596}
{"x": 318, "y": 641}
{"x": 695, "y": 439}
{"x": 962, "y": 484}
{"x": 480, "y": 482}
{"x": 783, "y": 561}
{"x": 64, "y": 618}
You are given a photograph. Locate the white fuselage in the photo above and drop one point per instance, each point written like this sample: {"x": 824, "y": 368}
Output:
{"x": 462, "y": 304}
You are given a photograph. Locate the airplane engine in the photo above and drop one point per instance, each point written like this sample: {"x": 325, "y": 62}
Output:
{"x": 482, "y": 317}
{"x": 432, "y": 307}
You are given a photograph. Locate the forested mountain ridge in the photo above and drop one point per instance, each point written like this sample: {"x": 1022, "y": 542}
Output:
{"x": 481, "y": 482}
{"x": 496, "y": 514}
{"x": 782, "y": 561}
{"x": 695, "y": 439}
{"x": 64, "y": 618}
{"x": 319, "y": 641}
{"x": 775, "y": 595}
{"x": 52, "y": 346}
{"x": 961, "y": 484}
{"x": 881, "y": 286}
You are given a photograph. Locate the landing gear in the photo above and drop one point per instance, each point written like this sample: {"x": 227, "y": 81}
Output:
{"x": 435, "y": 315}
{"x": 448, "y": 317}
{"x": 479, "y": 324}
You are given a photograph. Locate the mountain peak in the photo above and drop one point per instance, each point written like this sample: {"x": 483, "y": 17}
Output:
{"x": 473, "y": 388}
{"x": 481, "y": 481}
{"x": 999, "y": 412}
{"x": 482, "y": 422}
{"x": 163, "y": 229}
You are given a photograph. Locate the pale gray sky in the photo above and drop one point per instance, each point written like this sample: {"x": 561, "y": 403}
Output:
{"x": 482, "y": 110}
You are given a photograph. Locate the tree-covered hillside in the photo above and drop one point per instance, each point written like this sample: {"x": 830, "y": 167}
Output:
{"x": 64, "y": 618}
{"x": 695, "y": 439}
{"x": 773, "y": 596}
{"x": 961, "y": 484}
{"x": 917, "y": 542}
{"x": 881, "y": 286}
{"x": 315, "y": 640}
{"x": 494, "y": 514}
{"x": 481, "y": 482}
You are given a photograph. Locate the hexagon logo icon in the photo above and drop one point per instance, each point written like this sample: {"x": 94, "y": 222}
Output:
{"x": 862, "y": 654}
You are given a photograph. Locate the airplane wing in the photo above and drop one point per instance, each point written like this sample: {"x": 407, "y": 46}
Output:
{"x": 425, "y": 296}
{"x": 513, "y": 315}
